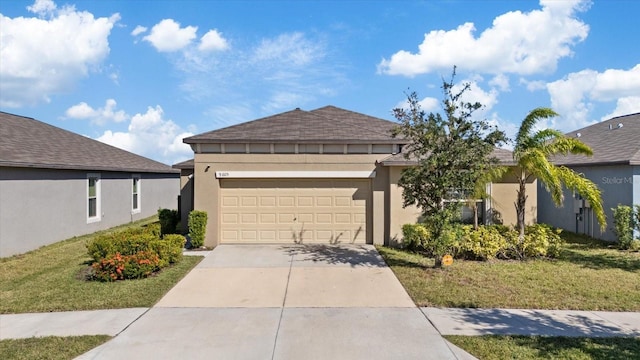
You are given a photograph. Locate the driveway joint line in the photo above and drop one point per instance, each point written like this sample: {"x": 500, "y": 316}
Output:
{"x": 134, "y": 320}
{"x": 284, "y": 300}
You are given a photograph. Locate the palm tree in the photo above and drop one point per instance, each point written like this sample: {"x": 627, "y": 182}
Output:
{"x": 532, "y": 153}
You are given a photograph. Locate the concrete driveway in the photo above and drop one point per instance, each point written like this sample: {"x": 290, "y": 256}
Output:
{"x": 283, "y": 302}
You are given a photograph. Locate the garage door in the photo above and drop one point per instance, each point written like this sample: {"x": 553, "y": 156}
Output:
{"x": 293, "y": 210}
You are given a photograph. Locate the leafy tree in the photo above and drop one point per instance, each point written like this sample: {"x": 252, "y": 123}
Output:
{"x": 453, "y": 151}
{"x": 532, "y": 153}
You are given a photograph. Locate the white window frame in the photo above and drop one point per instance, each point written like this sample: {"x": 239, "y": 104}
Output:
{"x": 98, "y": 216}
{"x": 138, "y": 193}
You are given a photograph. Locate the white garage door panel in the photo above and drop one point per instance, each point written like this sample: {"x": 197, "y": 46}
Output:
{"x": 284, "y": 210}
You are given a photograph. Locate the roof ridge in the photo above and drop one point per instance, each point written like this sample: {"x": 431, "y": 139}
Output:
{"x": 359, "y": 114}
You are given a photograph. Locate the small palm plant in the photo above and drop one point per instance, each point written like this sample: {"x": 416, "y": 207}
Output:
{"x": 533, "y": 152}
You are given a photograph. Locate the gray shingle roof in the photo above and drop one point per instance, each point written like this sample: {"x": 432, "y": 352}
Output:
{"x": 503, "y": 155}
{"x": 187, "y": 164}
{"x": 26, "y": 142}
{"x": 325, "y": 125}
{"x": 615, "y": 145}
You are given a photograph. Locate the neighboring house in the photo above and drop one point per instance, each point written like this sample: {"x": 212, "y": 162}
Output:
{"x": 328, "y": 175}
{"x": 55, "y": 184}
{"x": 614, "y": 168}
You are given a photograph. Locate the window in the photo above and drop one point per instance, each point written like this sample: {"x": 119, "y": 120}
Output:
{"x": 135, "y": 193}
{"x": 93, "y": 198}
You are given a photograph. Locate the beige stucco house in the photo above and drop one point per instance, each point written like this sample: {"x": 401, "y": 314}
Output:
{"x": 323, "y": 176}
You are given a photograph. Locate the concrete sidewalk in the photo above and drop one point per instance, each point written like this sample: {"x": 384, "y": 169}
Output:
{"x": 287, "y": 302}
{"x": 447, "y": 321}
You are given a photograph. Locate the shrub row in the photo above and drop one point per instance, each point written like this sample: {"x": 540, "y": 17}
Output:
{"x": 487, "y": 242}
{"x": 133, "y": 253}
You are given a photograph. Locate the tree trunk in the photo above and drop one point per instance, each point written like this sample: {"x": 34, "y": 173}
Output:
{"x": 521, "y": 205}
{"x": 475, "y": 216}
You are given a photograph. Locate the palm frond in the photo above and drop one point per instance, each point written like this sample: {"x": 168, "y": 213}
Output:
{"x": 524, "y": 133}
{"x": 566, "y": 145}
{"x": 587, "y": 189}
{"x": 537, "y": 163}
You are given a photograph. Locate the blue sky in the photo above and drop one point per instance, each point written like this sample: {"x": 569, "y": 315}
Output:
{"x": 141, "y": 75}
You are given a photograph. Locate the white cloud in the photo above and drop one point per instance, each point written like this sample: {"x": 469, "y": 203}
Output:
{"x": 533, "y": 85}
{"x": 43, "y": 57}
{"x": 292, "y": 49}
{"x": 212, "y": 41}
{"x": 517, "y": 42}
{"x": 501, "y": 82}
{"x": 99, "y": 116}
{"x": 151, "y": 135}
{"x": 625, "y": 106}
{"x": 168, "y": 36}
{"x": 428, "y": 104}
{"x": 488, "y": 99}
{"x": 139, "y": 30}
{"x": 42, "y": 7}
{"x": 575, "y": 95}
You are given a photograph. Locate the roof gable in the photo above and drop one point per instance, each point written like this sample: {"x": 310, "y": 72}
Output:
{"x": 27, "y": 142}
{"x": 325, "y": 125}
{"x": 613, "y": 141}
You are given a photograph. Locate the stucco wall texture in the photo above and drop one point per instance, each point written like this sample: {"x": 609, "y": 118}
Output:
{"x": 620, "y": 184}
{"x": 40, "y": 206}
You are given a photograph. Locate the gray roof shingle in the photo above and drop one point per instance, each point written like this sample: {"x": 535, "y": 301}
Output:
{"x": 324, "y": 125}
{"x": 26, "y": 142}
{"x": 504, "y": 156}
{"x": 611, "y": 143}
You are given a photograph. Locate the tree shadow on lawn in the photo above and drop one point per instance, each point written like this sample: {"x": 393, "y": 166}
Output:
{"x": 598, "y": 261}
{"x": 528, "y": 322}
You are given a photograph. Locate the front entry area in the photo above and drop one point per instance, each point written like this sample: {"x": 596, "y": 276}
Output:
{"x": 294, "y": 210}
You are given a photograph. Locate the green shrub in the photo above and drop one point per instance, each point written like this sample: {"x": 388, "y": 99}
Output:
{"x": 482, "y": 244}
{"x": 169, "y": 249}
{"x": 623, "y": 225}
{"x": 133, "y": 253}
{"x": 197, "y": 227}
{"x": 123, "y": 242}
{"x": 540, "y": 240}
{"x": 168, "y": 221}
{"x": 414, "y": 236}
{"x": 153, "y": 229}
{"x": 121, "y": 267}
{"x": 447, "y": 242}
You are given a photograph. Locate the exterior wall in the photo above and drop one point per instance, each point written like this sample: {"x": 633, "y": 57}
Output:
{"x": 207, "y": 187}
{"x": 398, "y": 215}
{"x": 503, "y": 199}
{"x": 620, "y": 184}
{"x": 187, "y": 181}
{"x": 41, "y": 206}
{"x": 503, "y": 196}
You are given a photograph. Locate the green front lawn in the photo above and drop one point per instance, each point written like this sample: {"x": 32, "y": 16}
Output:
{"x": 538, "y": 347}
{"x": 52, "y": 279}
{"x": 588, "y": 275}
{"x": 50, "y": 348}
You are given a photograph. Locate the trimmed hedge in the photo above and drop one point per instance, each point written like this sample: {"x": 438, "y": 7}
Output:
{"x": 197, "y": 227}
{"x": 169, "y": 220}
